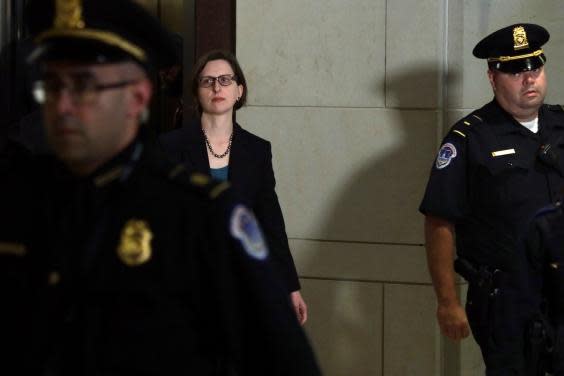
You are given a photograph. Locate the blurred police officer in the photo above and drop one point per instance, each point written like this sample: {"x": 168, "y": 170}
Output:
{"x": 149, "y": 271}
{"x": 16, "y": 206}
{"x": 495, "y": 169}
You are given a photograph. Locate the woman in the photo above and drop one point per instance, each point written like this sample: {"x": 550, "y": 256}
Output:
{"x": 215, "y": 145}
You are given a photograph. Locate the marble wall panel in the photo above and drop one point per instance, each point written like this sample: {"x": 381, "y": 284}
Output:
{"x": 414, "y": 53}
{"x": 313, "y": 53}
{"x": 349, "y": 174}
{"x": 412, "y": 342}
{"x": 366, "y": 262}
{"x": 345, "y": 326}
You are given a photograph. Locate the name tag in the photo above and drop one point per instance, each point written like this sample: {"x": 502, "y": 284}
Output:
{"x": 499, "y": 153}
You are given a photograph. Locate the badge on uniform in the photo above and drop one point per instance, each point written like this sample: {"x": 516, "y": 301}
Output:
{"x": 135, "y": 244}
{"x": 520, "y": 38}
{"x": 244, "y": 227}
{"x": 446, "y": 154}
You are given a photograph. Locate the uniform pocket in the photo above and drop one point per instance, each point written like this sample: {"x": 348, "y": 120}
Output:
{"x": 506, "y": 164}
{"x": 509, "y": 180}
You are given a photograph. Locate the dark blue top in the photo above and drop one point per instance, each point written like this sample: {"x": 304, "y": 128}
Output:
{"x": 220, "y": 173}
{"x": 489, "y": 180}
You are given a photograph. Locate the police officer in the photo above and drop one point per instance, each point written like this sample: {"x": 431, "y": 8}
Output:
{"x": 496, "y": 167}
{"x": 148, "y": 270}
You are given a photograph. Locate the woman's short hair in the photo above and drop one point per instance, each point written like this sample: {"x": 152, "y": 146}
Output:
{"x": 218, "y": 55}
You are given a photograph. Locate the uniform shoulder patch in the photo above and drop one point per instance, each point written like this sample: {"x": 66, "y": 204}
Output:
{"x": 245, "y": 228}
{"x": 446, "y": 154}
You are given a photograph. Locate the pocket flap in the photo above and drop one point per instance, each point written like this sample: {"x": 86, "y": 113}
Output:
{"x": 501, "y": 164}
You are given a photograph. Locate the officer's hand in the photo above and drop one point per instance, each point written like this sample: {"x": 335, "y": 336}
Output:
{"x": 453, "y": 321}
{"x": 299, "y": 306}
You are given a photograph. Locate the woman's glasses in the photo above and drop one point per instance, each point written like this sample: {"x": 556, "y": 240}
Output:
{"x": 223, "y": 80}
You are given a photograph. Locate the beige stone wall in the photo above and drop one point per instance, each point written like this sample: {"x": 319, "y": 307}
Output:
{"x": 355, "y": 96}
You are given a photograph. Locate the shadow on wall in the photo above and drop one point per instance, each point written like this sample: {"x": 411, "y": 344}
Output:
{"x": 378, "y": 200}
{"x": 354, "y": 328}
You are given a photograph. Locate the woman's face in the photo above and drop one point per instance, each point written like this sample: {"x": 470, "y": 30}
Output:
{"x": 217, "y": 99}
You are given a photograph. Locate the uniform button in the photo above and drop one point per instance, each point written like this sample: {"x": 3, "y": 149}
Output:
{"x": 510, "y": 164}
{"x": 53, "y": 278}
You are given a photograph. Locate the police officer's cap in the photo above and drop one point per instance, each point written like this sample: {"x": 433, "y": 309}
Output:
{"x": 98, "y": 31}
{"x": 514, "y": 48}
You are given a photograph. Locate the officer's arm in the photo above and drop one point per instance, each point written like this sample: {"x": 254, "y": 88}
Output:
{"x": 439, "y": 243}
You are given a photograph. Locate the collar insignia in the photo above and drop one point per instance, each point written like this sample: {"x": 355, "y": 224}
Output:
{"x": 108, "y": 177}
{"x": 135, "y": 244}
{"x": 199, "y": 180}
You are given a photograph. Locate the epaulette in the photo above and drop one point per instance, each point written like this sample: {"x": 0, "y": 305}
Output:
{"x": 13, "y": 249}
{"x": 555, "y": 107}
{"x": 462, "y": 126}
{"x": 200, "y": 183}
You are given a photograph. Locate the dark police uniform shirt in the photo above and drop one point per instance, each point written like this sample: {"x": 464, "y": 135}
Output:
{"x": 488, "y": 180}
{"x": 545, "y": 243}
{"x": 152, "y": 271}
{"x": 16, "y": 226}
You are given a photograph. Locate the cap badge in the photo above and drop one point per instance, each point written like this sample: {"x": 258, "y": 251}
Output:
{"x": 69, "y": 14}
{"x": 135, "y": 243}
{"x": 520, "y": 38}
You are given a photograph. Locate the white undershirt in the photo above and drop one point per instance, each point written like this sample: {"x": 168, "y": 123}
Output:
{"x": 532, "y": 125}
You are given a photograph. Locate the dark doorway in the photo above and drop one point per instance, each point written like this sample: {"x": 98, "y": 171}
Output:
{"x": 200, "y": 25}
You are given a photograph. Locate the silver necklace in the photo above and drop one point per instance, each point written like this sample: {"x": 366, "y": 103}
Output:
{"x": 211, "y": 149}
